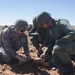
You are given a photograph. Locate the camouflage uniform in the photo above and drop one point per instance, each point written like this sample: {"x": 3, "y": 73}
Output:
{"x": 63, "y": 36}
{"x": 33, "y": 33}
{"x": 12, "y": 42}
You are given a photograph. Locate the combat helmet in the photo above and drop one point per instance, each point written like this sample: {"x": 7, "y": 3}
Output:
{"x": 21, "y": 25}
{"x": 42, "y": 17}
{"x": 35, "y": 23}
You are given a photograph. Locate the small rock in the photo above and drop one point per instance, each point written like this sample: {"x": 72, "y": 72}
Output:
{"x": 31, "y": 73}
{"x": 4, "y": 67}
{"x": 53, "y": 68}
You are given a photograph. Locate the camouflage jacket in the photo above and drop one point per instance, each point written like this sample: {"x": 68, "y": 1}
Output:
{"x": 61, "y": 32}
{"x": 8, "y": 36}
{"x": 43, "y": 32}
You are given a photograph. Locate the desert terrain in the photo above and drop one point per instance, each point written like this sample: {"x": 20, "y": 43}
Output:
{"x": 12, "y": 68}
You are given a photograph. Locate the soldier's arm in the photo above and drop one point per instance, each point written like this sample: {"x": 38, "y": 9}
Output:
{"x": 7, "y": 43}
{"x": 69, "y": 34}
{"x": 47, "y": 38}
{"x": 32, "y": 31}
{"x": 26, "y": 49}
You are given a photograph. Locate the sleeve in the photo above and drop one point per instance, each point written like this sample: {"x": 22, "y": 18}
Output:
{"x": 47, "y": 38}
{"x": 69, "y": 34}
{"x": 7, "y": 43}
{"x": 50, "y": 47}
{"x": 32, "y": 31}
{"x": 26, "y": 49}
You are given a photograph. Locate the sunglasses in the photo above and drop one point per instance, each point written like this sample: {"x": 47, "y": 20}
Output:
{"x": 21, "y": 30}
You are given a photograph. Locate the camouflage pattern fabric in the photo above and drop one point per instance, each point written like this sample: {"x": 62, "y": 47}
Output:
{"x": 64, "y": 38}
{"x": 34, "y": 34}
{"x": 12, "y": 42}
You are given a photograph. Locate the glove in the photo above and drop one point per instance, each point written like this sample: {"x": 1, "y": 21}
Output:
{"x": 42, "y": 56}
{"x": 21, "y": 59}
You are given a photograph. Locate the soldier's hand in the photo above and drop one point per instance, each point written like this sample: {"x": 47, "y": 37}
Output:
{"x": 21, "y": 59}
{"x": 42, "y": 56}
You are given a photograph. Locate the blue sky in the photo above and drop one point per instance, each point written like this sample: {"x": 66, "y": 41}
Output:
{"x": 11, "y": 10}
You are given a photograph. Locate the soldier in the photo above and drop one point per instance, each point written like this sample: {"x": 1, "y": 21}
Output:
{"x": 11, "y": 40}
{"x": 62, "y": 42}
{"x": 38, "y": 36}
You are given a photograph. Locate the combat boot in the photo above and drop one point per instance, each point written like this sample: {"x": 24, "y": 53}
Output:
{"x": 65, "y": 68}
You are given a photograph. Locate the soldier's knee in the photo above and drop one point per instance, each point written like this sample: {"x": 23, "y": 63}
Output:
{"x": 57, "y": 49}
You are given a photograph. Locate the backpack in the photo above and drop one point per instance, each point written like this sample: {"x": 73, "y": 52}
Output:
{"x": 64, "y": 22}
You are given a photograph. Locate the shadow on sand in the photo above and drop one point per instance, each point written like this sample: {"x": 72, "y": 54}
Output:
{"x": 29, "y": 68}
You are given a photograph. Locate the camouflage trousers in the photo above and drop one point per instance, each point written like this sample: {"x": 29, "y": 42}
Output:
{"x": 4, "y": 56}
{"x": 64, "y": 51}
